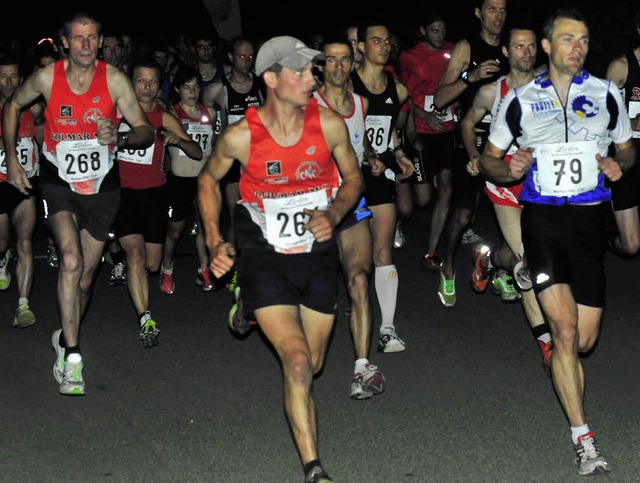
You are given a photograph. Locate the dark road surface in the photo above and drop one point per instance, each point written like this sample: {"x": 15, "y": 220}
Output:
{"x": 468, "y": 401}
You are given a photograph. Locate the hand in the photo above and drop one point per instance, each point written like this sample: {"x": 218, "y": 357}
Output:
{"x": 170, "y": 138}
{"x": 472, "y": 165}
{"x": 484, "y": 70}
{"x": 377, "y": 166}
{"x": 609, "y": 167}
{"x": 406, "y": 166}
{"x": 223, "y": 257}
{"x": 319, "y": 224}
{"x": 17, "y": 176}
{"x": 107, "y": 132}
{"x": 433, "y": 120}
{"x": 521, "y": 162}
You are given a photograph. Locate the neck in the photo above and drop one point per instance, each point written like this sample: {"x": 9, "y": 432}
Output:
{"x": 491, "y": 39}
{"x": 517, "y": 79}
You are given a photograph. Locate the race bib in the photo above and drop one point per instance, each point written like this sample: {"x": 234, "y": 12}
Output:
{"x": 634, "y": 110}
{"x": 429, "y": 106}
{"x": 285, "y": 221}
{"x": 203, "y": 135}
{"x": 566, "y": 169}
{"x": 80, "y": 161}
{"x": 378, "y": 129}
{"x": 24, "y": 150}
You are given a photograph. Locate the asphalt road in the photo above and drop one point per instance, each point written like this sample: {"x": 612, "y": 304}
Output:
{"x": 468, "y": 401}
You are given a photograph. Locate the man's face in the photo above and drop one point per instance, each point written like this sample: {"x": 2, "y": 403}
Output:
{"x": 205, "y": 50}
{"x": 338, "y": 64}
{"x": 112, "y": 51}
{"x": 83, "y": 43}
{"x": 243, "y": 57}
{"x": 492, "y": 16}
{"x": 376, "y": 48}
{"x": 352, "y": 35}
{"x": 146, "y": 83}
{"x": 569, "y": 46}
{"x": 434, "y": 35}
{"x": 9, "y": 79}
{"x": 522, "y": 52}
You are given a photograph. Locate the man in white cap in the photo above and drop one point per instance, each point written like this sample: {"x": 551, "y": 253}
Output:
{"x": 300, "y": 177}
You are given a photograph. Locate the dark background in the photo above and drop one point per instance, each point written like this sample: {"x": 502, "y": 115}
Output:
{"x": 609, "y": 21}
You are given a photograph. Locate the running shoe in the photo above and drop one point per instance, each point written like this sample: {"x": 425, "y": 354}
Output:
{"x": 470, "y": 237}
{"x": 398, "y": 237}
{"x": 149, "y": 331}
{"x": 58, "y": 365}
{"x": 166, "y": 282}
{"x": 481, "y": 272}
{"x": 547, "y": 352}
{"x": 431, "y": 262}
{"x": 52, "y": 256}
{"x": 588, "y": 457}
{"x": 389, "y": 342}
{"x": 24, "y": 317}
{"x": 233, "y": 281}
{"x": 204, "y": 279}
{"x": 5, "y": 276}
{"x": 118, "y": 274}
{"x": 447, "y": 289}
{"x": 367, "y": 383}
{"x": 237, "y": 321}
{"x": 503, "y": 285}
{"x": 72, "y": 382}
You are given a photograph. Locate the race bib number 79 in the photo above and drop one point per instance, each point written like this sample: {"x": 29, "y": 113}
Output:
{"x": 566, "y": 169}
{"x": 285, "y": 221}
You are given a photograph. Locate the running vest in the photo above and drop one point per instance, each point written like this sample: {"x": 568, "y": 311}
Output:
{"x": 26, "y": 148}
{"x": 236, "y": 103}
{"x": 73, "y": 155}
{"x": 199, "y": 128}
{"x": 421, "y": 70}
{"x": 565, "y": 140}
{"x": 632, "y": 87}
{"x": 383, "y": 112}
{"x": 355, "y": 122}
{"x": 278, "y": 182}
{"x": 143, "y": 168}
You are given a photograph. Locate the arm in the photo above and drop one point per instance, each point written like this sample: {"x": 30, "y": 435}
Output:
{"x": 175, "y": 135}
{"x": 482, "y": 103}
{"x": 231, "y": 145}
{"x": 322, "y": 223}
{"x": 624, "y": 158}
{"x": 493, "y": 166}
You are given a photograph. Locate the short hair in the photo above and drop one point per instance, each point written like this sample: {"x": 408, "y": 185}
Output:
{"x": 183, "y": 75}
{"x": 146, "y": 63}
{"x": 6, "y": 59}
{"x": 506, "y": 39}
{"x": 364, "y": 28}
{"x": 549, "y": 26}
{"x": 431, "y": 17}
{"x": 83, "y": 18}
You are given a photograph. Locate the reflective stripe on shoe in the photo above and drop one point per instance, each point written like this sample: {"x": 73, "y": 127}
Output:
{"x": 447, "y": 289}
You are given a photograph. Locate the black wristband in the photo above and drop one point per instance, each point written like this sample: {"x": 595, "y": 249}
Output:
{"x": 620, "y": 165}
{"x": 122, "y": 141}
{"x": 464, "y": 77}
{"x": 398, "y": 148}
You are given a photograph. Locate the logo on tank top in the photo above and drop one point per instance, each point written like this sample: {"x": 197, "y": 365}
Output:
{"x": 96, "y": 99}
{"x": 274, "y": 168}
{"x": 635, "y": 94}
{"x": 66, "y": 111}
{"x": 308, "y": 170}
{"x": 91, "y": 116}
{"x": 585, "y": 106}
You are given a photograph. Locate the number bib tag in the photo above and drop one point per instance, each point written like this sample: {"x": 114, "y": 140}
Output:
{"x": 24, "y": 151}
{"x": 202, "y": 134}
{"x": 378, "y": 129}
{"x": 137, "y": 156}
{"x": 446, "y": 115}
{"x": 566, "y": 169}
{"x": 80, "y": 161}
{"x": 285, "y": 219}
{"x": 634, "y": 110}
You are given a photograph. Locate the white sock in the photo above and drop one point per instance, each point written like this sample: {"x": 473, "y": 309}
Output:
{"x": 360, "y": 363}
{"x": 168, "y": 271}
{"x": 545, "y": 338}
{"x": 386, "y": 281}
{"x": 578, "y": 431}
{"x": 23, "y": 300}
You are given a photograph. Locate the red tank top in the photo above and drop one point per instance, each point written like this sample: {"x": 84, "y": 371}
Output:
{"x": 143, "y": 168}
{"x": 274, "y": 171}
{"x": 70, "y": 130}
{"x": 26, "y": 147}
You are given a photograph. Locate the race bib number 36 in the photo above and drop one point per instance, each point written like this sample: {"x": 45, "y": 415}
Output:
{"x": 285, "y": 221}
{"x": 566, "y": 169}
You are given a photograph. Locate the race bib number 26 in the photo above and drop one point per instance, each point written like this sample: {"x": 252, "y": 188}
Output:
{"x": 285, "y": 219}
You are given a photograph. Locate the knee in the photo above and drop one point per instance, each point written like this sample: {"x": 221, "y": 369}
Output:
{"x": 298, "y": 368}
{"x": 136, "y": 257}
{"x": 24, "y": 247}
{"x": 71, "y": 263}
{"x": 359, "y": 285}
{"x": 587, "y": 341}
{"x": 566, "y": 336}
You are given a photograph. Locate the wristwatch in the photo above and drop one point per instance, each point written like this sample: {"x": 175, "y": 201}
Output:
{"x": 122, "y": 142}
{"x": 464, "y": 77}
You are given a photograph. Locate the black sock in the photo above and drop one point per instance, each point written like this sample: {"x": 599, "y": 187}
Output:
{"x": 540, "y": 330}
{"x": 72, "y": 350}
{"x": 310, "y": 465}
